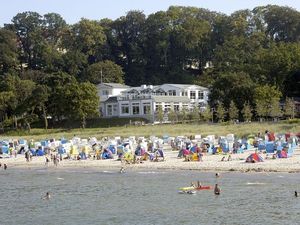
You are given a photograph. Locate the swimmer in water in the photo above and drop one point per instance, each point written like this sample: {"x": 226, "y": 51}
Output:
{"x": 47, "y": 196}
{"x": 122, "y": 170}
{"x": 217, "y": 190}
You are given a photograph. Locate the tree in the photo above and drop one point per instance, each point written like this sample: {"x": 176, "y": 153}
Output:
{"x": 105, "y": 71}
{"x": 128, "y": 40}
{"x": 220, "y": 112}
{"x": 160, "y": 114}
{"x": 267, "y": 101}
{"x": 87, "y": 37}
{"x": 233, "y": 112}
{"x": 28, "y": 28}
{"x": 275, "y": 111}
{"x": 37, "y": 102}
{"x": 289, "y": 108}
{"x": 236, "y": 87}
{"x": 172, "y": 116}
{"x": 8, "y": 51}
{"x": 89, "y": 102}
{"x": 247, "y": 112}
{"x": 183, "y": 114}
{"x": 207, "y": 114}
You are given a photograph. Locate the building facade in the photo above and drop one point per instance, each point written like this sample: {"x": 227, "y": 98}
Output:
{"x": 145, "y": 101}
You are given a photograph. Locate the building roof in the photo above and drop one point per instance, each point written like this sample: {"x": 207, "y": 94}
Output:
{"x": 164, "y": 98}
{"x": 113, "y": 99}
{"x": 184, "y": 86}
{"x": 115, "y": 85}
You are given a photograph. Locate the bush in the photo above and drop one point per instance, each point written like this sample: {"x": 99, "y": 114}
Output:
{"x": 292, "y": 121}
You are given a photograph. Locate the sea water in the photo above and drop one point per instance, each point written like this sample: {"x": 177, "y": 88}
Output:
{"x": 97, "y": 196}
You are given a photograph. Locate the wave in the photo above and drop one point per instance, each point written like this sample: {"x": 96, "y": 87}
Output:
{"x": 255, "y": 183}
{"x": 151, "y": 172}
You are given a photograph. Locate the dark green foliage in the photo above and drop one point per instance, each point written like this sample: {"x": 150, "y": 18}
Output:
{"x": 248, "y": 54}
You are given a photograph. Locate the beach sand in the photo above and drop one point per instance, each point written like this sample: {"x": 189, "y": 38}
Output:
{"x": 210, "y": 163}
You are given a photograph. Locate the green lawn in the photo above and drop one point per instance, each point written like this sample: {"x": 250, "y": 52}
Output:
{"x": 158, "y": 130}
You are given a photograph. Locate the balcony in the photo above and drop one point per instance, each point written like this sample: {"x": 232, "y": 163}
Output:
{"x": 134, "y": 97}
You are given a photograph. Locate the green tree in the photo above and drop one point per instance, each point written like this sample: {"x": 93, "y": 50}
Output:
{"x": 8, "y": 51}
{"x": 275, "y": 111}
{"x": 106, "y": 71}
{"x": 247, "y": 112}
{"x": 160, "y": 114}
{"x": 195, "y": 113}
{"x": 233, "y": 112}
{"x": 88, "y": 105}
{"x": 172, "y": 116}
{"x": 183, "y": 114}
{"x": 236, "y": 87}
{"x": 207, "y": 114}
{"x": 289, "y": 108}
{"x": 87, "y": 37}
{"x": 266, "y": 99}
{"x": 220, "y": 112}
{"x": 129, "y": 36}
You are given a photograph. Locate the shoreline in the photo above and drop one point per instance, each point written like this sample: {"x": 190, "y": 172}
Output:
{"x": 211, "y": 163}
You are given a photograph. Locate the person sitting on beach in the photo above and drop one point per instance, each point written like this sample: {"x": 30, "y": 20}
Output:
{"x": 217, "y": 190}
{"x": 217, "y": 175}
{"x": 223, "y": 159}
{"x": 229, "y": 158}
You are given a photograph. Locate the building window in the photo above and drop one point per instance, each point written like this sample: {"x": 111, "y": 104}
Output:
{"x": 172, "y": 92}
{"x": 176, "y": 107}
{"x": 105, "y": 92}
{"x": 200, "y": 95}
{"x": 146, "y": 108}
{"x": 193, "y": 95}
{"x": 109, "y": 110}
{"x": 157, "y": 106}
{"x": 115, "y": 110}
{"x": 135, "y": 108}
{"x": 167, "y": 107}
{"x": 184, "y": 93}
{"x": 124, "y": 109}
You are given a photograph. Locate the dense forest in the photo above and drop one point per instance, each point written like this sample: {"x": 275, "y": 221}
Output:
{"x": 250, "y": 60}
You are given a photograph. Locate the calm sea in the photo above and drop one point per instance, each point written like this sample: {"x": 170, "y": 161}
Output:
{"x": 90, "y": 196}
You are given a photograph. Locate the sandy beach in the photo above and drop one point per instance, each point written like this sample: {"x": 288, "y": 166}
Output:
{"x": 209, "y": 163}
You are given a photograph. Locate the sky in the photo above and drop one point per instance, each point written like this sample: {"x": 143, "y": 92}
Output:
{"x": 73, "y": 10}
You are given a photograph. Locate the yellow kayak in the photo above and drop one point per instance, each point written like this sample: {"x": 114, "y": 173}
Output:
{"x": 187, "y": 188}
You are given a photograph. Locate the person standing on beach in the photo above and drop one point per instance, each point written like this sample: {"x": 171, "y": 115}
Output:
{"x": 47, "y": 161}
{"x": 217, "y": 190}
{"x": 4, "y": 166}
{"x": 296, "y": 194}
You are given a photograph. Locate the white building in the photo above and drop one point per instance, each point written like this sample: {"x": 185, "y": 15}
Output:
{"x": 107, "y": 90}
{"x": 144, "y": 101}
